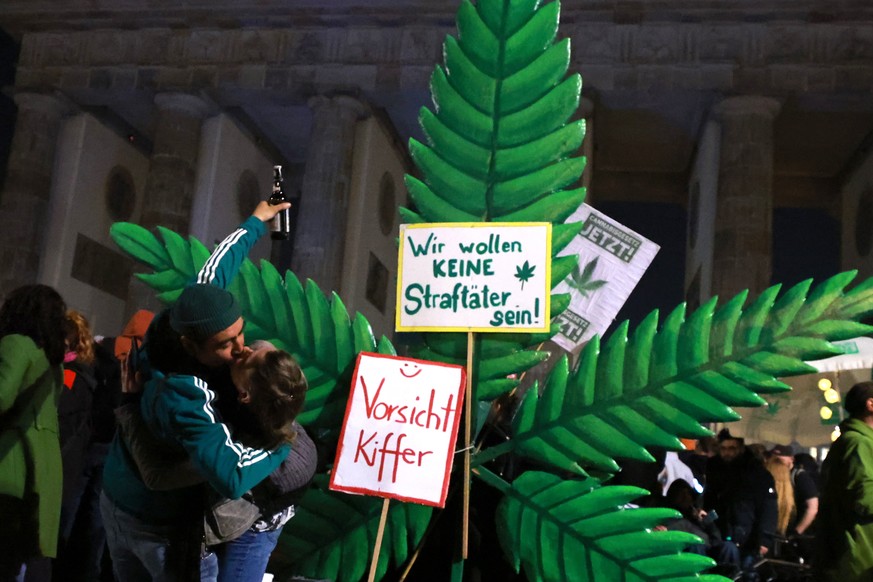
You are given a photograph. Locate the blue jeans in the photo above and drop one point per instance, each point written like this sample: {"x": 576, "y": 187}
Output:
{"x": 145, "y": 552}
{"x": 727, "y": 553}
{"x": 245, "y": 558}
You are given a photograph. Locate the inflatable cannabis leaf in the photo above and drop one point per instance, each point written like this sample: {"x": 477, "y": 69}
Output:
{"x": 499, "y": 148}
{"x": 646, "y": 391}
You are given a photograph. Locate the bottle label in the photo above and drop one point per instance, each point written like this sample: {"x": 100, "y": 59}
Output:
{"x": 280, "y": 225}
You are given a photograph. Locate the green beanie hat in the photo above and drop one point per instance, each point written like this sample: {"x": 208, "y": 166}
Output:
{"x": 204, "y": 310}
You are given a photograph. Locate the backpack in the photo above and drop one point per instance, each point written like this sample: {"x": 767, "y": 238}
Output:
{"x": 74, "y": 405}
{"x": 74, "y": 421}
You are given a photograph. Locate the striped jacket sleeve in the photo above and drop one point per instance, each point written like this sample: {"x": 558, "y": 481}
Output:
{"x": 230, "y": 467}
{"x": 224, "y": 262}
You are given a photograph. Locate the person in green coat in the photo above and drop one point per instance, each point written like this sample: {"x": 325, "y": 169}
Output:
{"x": 845, "y": 535}
{"x": 31, "y": 377}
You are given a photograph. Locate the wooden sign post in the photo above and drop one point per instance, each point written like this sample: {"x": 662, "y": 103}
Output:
{"x": 399, "y": 432}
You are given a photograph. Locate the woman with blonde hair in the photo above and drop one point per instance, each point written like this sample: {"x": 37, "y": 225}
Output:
{"x": 784, "y": 493}
{"x": 74, "y": 408}
{"x": 80, "y": 341}
{"x": 76, "y": 420}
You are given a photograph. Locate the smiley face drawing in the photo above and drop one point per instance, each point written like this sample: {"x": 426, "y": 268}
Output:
{"x": 410, "y": 370}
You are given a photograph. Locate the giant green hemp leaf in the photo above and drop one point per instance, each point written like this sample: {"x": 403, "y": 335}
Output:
{"x": 500, "y": 149}
{"x": 642, "y": 392}
{"x": 315, "y": 329}
{"x": 499, "y": 140}
{"x": 657, "y": 385}
{"x": 587, "y": 533}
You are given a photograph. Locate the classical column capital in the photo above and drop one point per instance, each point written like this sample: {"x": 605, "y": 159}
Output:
{"x": 54, "y": 104}
{"x": 747, "y": 105}
{"x": 187, "y": 103}
{"x": 357, "y": 108}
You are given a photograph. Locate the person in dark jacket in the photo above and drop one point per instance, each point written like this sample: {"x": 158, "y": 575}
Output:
{"x": 76, "y": 422}
{"x": 82, "y": 554}
{"x": 74, "y": 407}
{"x": 682, "y": 497}
{"x": 743, "y": 493}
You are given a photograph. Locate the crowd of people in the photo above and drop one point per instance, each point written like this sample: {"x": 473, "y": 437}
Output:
{"x": 174, "y": 445}
{"x": 771, "y": 513}
{"x": 746, "y": 503}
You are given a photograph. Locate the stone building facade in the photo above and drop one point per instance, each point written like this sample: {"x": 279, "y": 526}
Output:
{"x": 171, "y": 115}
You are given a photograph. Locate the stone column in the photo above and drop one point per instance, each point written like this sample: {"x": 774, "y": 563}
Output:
{"x": 169, "y": 188}
{"x": 743, "y": 242}
{"x": 24, "y": 203}
{"x": 321, "y": 221}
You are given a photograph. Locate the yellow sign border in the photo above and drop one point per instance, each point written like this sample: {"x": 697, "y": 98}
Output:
{"x": 548, "y": 295}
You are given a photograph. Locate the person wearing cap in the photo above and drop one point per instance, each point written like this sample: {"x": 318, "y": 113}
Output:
{"x": 152, "y": 535}
{"x": 844, "y": 537}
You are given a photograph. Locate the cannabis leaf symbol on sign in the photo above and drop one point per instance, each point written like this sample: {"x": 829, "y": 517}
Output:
{"x": 524, "y": 272}
{"x": 581, "y": 279}
{"x": 776, "y": 404}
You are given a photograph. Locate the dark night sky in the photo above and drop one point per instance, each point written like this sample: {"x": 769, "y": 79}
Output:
{"x": 806, "y": 243}
{"x": 662, "y": 286}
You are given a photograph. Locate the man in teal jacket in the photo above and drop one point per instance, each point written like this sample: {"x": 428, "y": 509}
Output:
{"x": 188, "y": 347}
{"x": 845, "y": 534}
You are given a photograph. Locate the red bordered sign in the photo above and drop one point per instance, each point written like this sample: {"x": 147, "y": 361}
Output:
{"x": 401, "y": 423}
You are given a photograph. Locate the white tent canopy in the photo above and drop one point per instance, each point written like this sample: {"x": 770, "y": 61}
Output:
{"x": 793, "y": 417}
{"x": 857, "y": 354}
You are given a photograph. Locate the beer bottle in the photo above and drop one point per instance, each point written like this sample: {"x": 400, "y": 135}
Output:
{"x": 280, "y": 226}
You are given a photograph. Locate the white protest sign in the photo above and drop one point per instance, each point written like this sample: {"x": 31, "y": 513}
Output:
{"x": 612, "y": 259}
{"x": 398, "y": 436}
{"x": 486, "y": 277}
